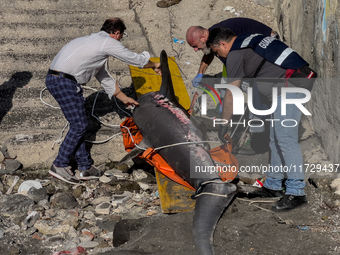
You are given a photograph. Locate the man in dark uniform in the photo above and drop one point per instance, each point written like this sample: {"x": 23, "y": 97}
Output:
{"x": 243, "y": 60}
{"x": 197, "y": 36}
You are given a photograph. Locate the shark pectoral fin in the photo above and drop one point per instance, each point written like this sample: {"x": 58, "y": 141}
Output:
{"x": 142, "y": 146}
{"x": 133, "y": 153}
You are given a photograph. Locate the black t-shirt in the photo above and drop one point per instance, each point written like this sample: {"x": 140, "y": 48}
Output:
{"x": 243, "y": 25}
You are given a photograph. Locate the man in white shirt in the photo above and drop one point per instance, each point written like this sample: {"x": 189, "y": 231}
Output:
{"x": 77, "y": 63}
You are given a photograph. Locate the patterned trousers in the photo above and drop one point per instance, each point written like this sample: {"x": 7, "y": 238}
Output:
{"x": 69, "y": 96}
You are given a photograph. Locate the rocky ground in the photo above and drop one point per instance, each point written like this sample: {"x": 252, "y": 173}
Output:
{"x": 120, "y": 213}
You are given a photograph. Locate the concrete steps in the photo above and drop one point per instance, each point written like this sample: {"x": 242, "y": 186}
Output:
{"x": 35, "y": 56}
{"x": 68, "y": 6}
{"x": 62, "y": 16}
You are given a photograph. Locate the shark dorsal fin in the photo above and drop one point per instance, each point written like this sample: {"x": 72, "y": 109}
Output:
{"x": 167, "y": 88}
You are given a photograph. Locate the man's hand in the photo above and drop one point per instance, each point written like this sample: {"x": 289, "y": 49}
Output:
{"x": 128, "y": 101}
{"x": 157, "y": 68}
{"x": 222, "y": 132}
{"x": 197, "y": 80}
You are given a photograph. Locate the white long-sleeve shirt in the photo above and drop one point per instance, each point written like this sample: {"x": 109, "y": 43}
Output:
{"x": 86, "y": 57}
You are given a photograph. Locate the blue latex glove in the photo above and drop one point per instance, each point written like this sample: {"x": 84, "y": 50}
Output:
{"x": 221, "y": 108}
{"x": 197, "y": 80}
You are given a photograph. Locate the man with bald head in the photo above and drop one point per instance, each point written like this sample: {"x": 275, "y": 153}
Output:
{"x": 76, "y": 64}
{"x": 197, "y": 36}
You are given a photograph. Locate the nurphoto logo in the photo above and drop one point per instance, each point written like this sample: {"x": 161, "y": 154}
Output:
{"x": 238, "y": 104}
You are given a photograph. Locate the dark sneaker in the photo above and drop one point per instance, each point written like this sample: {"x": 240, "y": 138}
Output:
{"x": 92, "y": 173}
{"x": 167, "y": 3}
{"x": 289, "y": 202}
{"x": 63, "y": 173}
{"x": 264, "y": 192}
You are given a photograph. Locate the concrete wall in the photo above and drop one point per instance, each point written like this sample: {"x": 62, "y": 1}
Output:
{"x": 311, "y": 28}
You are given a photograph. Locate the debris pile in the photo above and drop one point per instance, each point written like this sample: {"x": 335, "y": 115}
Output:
{"x": 72, "y": 218}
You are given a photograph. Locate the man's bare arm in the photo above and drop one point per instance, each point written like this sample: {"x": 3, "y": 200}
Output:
{"x": 124, "y": 98}
{"x": 155, "y": 66}
{"x": 205, "y": 62}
